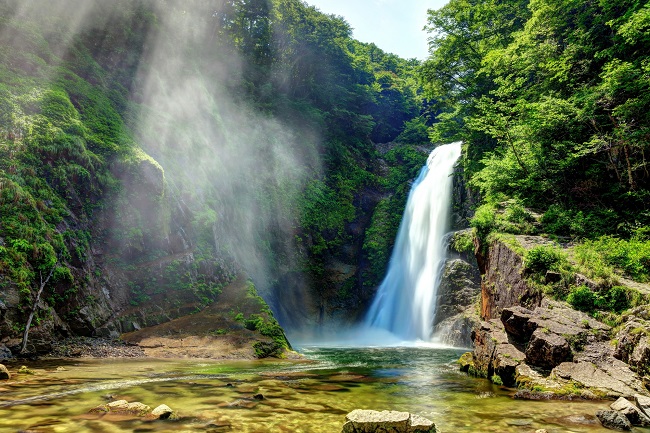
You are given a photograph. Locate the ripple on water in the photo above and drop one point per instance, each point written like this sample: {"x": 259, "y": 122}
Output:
{"x": 298, "y": 397}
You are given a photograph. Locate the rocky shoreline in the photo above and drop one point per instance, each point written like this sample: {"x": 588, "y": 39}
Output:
{"x": 87, "y": 347}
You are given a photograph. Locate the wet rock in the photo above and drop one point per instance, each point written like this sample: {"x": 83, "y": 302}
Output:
{"x": 459, "y": 288}
{"x": 118, "y": 405}
{"x": 162, "y": 412}
{"x": 547, "y": 349}
{"x": 631, "y": 412}
{"x": 371, "y": 421}
{"x": 493, "y": 353}
{"x": 505, "y": 361}
{"x": 122, "y": 407}
{"x": 466, "y": 361}
{"x": 4, "y": 373}
{"x": 614, "y": 420}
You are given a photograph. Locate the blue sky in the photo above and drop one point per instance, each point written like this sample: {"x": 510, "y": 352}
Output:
{"x": 394, "y": 26}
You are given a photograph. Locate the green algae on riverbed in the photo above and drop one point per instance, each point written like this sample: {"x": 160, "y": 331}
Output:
{"x": 305, "y": 396}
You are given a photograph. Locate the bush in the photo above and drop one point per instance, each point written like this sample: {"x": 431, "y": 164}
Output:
{"x": 583, "y": 299}
{"x": 484, "y": 220}
{"x": 602, "y": 255}
{"x": 544, "y": 258}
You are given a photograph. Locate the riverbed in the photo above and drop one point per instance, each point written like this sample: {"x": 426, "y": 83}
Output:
{"x": 313, "y": 395}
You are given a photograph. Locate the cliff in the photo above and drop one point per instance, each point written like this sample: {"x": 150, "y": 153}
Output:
{"x": 545, "y": 347}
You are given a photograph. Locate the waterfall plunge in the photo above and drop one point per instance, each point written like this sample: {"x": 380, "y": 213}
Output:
{"x": 405, "y": 301}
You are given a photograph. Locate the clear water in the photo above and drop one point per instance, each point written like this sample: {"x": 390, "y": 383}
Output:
{"x": 311, "y": 396}
{"x": 405, "y": 300}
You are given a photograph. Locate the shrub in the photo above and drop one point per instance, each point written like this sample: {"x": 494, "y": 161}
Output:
{"x": 544, "y": 258}
{"x": 484, "y": 220}
{"x": 583, "y": 299}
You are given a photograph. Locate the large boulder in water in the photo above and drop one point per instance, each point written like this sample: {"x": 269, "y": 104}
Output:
{"x": 372, "y": 421}
{"x": 4, "y": 373}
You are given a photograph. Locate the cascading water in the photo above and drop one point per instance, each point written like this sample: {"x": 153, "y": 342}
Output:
{"x": 405, "y": 301}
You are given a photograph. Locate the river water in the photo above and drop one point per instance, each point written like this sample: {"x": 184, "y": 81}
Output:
{"x": 299, "y": 396}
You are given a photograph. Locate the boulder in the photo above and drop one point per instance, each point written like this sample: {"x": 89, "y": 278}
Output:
{"x": 466, "y": 361}
{"x": 613, "y": 420}
{"x": 505, "y": 360}
{"x": 609, "y": 380}
{"x": 631, "y": 412}
{"x": 547, "y": 349}
{"x": 122, "y": 407}
{"x": 371, "y": 421}
{"x": 4, "y": 373}
{"x": 643, "y": 403}
{"x": 162, "y": 412}
{"x": 633, "y": 343}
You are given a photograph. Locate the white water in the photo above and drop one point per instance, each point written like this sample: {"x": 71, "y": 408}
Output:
{"x": 405, "y": 301}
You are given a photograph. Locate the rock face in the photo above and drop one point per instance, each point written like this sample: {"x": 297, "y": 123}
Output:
{"x": 633, "y": 340}
{"x": 547, "y": 349}
{"x": 503, "y": 284}
{"x": 460, "y": 285}
{"x": 4, "y": 373}
{"x": 371, "y": 421}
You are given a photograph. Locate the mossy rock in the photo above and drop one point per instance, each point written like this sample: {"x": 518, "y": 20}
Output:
{"x": 466, "y": 361}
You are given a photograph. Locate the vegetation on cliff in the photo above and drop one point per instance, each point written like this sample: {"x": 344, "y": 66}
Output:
{"x": 550, "y": 100}
{"x": 150, "y": 152}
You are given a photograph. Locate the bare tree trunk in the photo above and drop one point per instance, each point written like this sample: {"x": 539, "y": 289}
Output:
{"x": 31, "y": 314}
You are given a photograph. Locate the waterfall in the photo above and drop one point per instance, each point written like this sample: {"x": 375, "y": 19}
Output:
{"x": 405, "y": 301}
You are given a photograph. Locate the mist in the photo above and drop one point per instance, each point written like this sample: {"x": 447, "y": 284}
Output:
{"x": 234, "y": 171}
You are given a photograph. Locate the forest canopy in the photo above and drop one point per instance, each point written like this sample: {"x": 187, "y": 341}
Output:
{"x": 551, "y": 99}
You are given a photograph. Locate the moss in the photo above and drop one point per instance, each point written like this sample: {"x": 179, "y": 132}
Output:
{"x": 496, "y": 379}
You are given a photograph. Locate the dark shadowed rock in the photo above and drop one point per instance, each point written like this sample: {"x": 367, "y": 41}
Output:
{"x": 613, "y": 420}
{"x": 547, "y": 349}
{"x": 631, "y": 412}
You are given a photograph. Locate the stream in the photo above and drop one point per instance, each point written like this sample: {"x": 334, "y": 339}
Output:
{"x": 299, "y": 396}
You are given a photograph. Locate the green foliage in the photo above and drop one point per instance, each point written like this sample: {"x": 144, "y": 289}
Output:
{"x": 484, "y": 220}
{"x": 496, "y": 379}
{"x": 600, "y": 256}
{"x": 551, "y": 101}
{"x": 463, "y": 242}
{"x": 544, "y": 258}
{"x": 582, "y": 298}
{"x": 614, "y": 300}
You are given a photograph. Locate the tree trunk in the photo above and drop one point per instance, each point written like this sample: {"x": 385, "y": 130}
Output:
{"x": 31, "y": 314}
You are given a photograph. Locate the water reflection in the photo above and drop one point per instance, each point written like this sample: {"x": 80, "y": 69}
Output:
{"x": 311, "y": 396}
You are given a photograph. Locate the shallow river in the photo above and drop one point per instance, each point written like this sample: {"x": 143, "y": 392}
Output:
{"x": 310, "y": 396}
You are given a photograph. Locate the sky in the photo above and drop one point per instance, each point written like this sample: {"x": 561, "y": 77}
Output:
{"x": 395, "y": 26}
